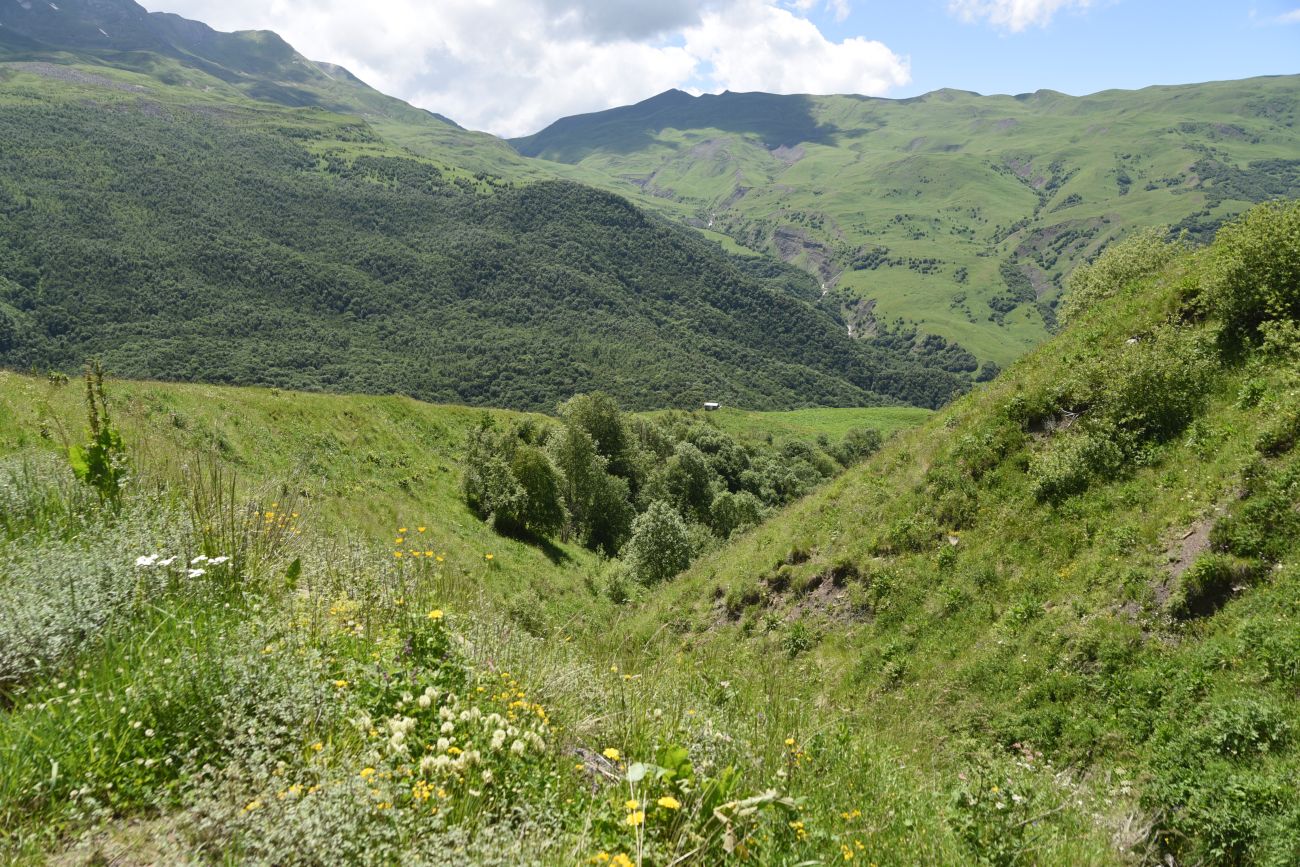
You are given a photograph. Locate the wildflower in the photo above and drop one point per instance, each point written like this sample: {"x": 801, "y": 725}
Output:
{"x": 167, "y": 562}
{"x": 789, "y": 742}
{"x": 317, "y": 747}
{"x": 439, "y": 558}
{"x": 217, "y": 561}
{"x": 194, "y": 573}
{"x": 612, "y": 754}
{"x": 621, "y": 860}
{"x": 428, "y": 554}
{"x": 668, "y": 802}
{"x": 421, "y": 529}
{"x": 600, "y": 858}
{"x": 435, "y": 614}
{"x": 197, "y": 560}
{"x": 635, "y": 818}
{"x": 146, "y": 561}
{"x": 401, "y": 529}
{"x": 340, "y": 684}
{"x": 367, "y": 773}
{"x": 631, "y": 804}
{"x": 518, "y": 747}
{"x": 251, "y": 806}
{"x": 397, "y": 554}
{"x": 487, "y": 557}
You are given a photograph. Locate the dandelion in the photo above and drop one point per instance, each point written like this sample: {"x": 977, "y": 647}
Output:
{"x": 317, "y": 747}
{"x": 435, "y": 614}
{"x": 340, "y": 684}
{"x": 668, "y": 802}
{"x": 401, "y": 530}
{"x": 621, "y": 860}
{"x": 631, "y": 804}
{"x": 251, "y": 806}
{"x": 367, "y": 773}
{"x": 487, "y": 557}
{"x": 421, "y": 529}
{"x": 430, "y": 554}
{"x": 612, "y": 754}
{"x": 397, "y": 554}
{"x": 635, "y": 819}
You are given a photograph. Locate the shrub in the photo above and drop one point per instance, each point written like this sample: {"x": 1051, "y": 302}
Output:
{"x": 660, "y": 546}
{"x": 1066, "y": 467}
{"x": 1210, "y": 582}
{"x": 1141, "y": 254}
{"x": 1255, "y": 275}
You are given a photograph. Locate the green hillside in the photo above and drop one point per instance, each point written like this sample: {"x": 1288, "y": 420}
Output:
{"x": 182, "y": 222}
{"x": 1055, "y": 624}
{"x": 957, "y": 213}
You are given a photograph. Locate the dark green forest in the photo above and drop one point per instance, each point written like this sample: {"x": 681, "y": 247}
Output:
{"x": 291, "y": 248}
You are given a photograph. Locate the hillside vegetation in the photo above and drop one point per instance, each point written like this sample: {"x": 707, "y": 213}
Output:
{"x": 1054, "y": 625}
{"x": 954, "y": 213}
{"x": 332, "y": 256}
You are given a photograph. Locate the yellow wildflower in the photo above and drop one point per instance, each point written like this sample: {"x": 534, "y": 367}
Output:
{"x": 621, "y": 860}
{"x": 635, "y": 818}
{"x": 251, "y": 806}
{"x": 612, "y": 754}
{"x": 317, "y": 747}
{"x": 435, "y": 614}
{"x": 367, "y": 773}
{"x": 421, "y": 529}
{"x": 487, "y": 557}
{"x": 340, "y": 684}
{"x": 631, "y": 804}
{"x": 668, "y": 802}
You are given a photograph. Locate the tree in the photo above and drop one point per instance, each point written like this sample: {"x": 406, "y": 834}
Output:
{"x": 687, "y": 482}
{"x": 660, "y": 546}
{"x": 731, "y": 512}
{"x": 598, "y": 414}
{"x": 859, "y": 444}
{"x": 541, "y": 511}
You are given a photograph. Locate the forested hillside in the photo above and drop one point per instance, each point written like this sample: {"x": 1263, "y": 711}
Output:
{"x": 206, "y": 236}
{"x": 953, "y": 213}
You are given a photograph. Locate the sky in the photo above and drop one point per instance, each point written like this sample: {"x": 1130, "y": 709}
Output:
{"x": 511, "y": 67}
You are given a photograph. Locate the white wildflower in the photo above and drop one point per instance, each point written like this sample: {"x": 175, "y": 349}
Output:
{"x": 146, "y": 561}
{"x": 197, "y": 560}
{"x": 518, "y": 748}
{"x": 448, "y": 728}
{"x": 194, "y": 573}
{"x": 217, "y": 561}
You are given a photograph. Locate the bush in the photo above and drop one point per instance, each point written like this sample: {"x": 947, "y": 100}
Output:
{"x": 660, "y": 546}
{"x": 1069, "y": 464}
{"x": 1141, "y": 254}
{"x": 1210, "y": 582}
{"x": 1255, "y": 276}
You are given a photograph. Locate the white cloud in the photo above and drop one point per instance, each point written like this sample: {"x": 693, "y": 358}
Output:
{"x": 1292, "y": 17}
{"x": 758, "y": 46}
{"x": 512, "y": 66}
{"x": 1013, "y": 15}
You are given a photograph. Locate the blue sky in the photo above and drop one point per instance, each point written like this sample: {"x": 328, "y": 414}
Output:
{"x": 514, "y": 66}
{"x": 1115, "y": 44}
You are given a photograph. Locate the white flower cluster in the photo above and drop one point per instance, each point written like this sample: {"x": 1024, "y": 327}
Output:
{"x": 194, "y": 570}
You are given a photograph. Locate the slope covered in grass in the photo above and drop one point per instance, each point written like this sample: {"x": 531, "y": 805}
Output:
{"x": 1089, "y": 565}
{"x": 956, "y": 212}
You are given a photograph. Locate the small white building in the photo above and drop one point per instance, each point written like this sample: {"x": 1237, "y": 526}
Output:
{"x": 711, "y": 405}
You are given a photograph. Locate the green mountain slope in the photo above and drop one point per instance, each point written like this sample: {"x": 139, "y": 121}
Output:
{"x": 188, "y": 231}
{"x": 1092, "y": 562}
{"x": 954, "y": 212}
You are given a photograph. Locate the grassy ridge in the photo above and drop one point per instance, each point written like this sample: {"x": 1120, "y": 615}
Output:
{"x": 954, "y": 211}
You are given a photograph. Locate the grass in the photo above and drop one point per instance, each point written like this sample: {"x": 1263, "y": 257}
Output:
{"x": 929, "y": 659}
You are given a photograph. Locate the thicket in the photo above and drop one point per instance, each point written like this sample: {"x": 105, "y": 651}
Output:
{"x": 656, "y": 491}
